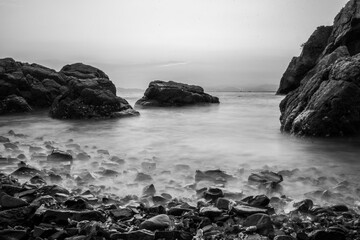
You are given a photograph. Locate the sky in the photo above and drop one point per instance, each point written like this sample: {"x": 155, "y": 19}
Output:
{"x": 212, "y": 43}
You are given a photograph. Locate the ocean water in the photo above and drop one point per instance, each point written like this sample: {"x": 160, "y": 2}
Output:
{"x": 239, "y": 136}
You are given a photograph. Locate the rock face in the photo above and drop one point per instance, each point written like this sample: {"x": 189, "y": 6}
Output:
{"x": 299, "y": 66}
{"x": 165, "y": 94}
{"x": 77, "y": 91}
{"x": 327, "y": 101}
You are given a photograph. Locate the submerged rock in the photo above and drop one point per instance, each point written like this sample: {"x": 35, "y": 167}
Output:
{"x": 59, "y": 156}
{"x": 165, "y": 94}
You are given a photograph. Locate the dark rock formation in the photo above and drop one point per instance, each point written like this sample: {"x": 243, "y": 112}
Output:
{"x": 299, "y": 66}
{"x": 90, "y": 95}
{"x": 77, "y": 91}
{"x": 327, "y": 102}
{"x": 165, "y": 94}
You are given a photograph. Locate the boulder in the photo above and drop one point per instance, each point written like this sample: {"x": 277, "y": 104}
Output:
{"x": 78, "y": 91}
{"x": 299, "y": 66}
{"x": 90, "y": 94}
{"x": 325, "y": 101}
{"x": 166, "y": 94}
{"x": 14, "y": 103}
{"x": 326, "y": 105}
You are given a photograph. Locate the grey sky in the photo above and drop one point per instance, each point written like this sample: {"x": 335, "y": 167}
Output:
{"x": 237, "y": 43}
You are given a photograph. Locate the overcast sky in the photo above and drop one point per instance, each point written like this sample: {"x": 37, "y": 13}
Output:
{"x": 238, "y": 43}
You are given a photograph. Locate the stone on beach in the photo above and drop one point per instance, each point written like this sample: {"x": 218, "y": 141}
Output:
{"x": 158, "y": 222}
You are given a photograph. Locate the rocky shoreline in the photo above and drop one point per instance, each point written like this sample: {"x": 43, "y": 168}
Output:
{"x": 42, "y": 198}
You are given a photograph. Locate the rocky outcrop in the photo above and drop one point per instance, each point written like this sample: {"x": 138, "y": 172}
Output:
{"x": 90, "y": 94}
{"x": 77, "y": 91}
{"x": 299, "y": 66}
{"x": 165, "y": 94}
{"x": 327, "y": 101}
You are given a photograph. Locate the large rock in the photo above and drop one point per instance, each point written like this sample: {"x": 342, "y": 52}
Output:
{"x": 326, "y": 102}
{"x": 165, "y": 94}
{"x": 299, "y": 66}
{"x": 90, "y": 94}
{"x": 77, "y": 91}
{"x": 326, "y": 105}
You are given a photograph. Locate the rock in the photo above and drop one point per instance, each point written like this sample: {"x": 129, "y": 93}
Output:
{"x": 339, "y": 208}
{"x": 90, "y": 94}
{"x": 265, "y": 177}
{"x": 262, "y": 222}
{"x": 177, "y": 211}
{"x": 245, "y": 210}
{"x": 213, "y": 193}
{"x": 165, "y": 94}
{"x": 4, "y": 139}
{"x": 304, "y": 206}
{"x": 257, "y": 201}
{"x": 284, "y": 237}
{"x": 83, "y": 156}
{"x": 133, "y": 235}
{"x": 121, "y": 213}
{"x": 223, "y": 203}
{"x": 37, "y": 180}
{"x": 327, "y": 101}
{"x": 217, "y": 176}
{"x": 14, "y": 103}
{"x": 9, "y": 145}
{"x": 7, "y": 202}
{"x": 26, "y": 172}
{"x": 59, "y": 156}
{"x": 61, "y": 216}
{"x": 346, "y": 29}
{"x": 16, "y": 216}
{"x": 299, "y": 66}
{"x": 76, "y": 204}
{"x": 149, "y": 190}
{"x": 327, "y": 235}
{"x": 210, "y": 212}
{"x": 159, "y": 222}
{"x": 10, "y": 234}
{"x": 142, "y": 177}
{"x": 173, "y": 235}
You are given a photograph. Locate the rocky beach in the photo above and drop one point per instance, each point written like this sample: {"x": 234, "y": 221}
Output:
{"x": 80, "y": 162}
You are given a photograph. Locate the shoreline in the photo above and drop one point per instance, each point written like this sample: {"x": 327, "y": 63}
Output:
{"x": 51, "y": 202}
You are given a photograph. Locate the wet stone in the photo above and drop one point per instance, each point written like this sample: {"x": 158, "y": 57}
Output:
{"x": 7, "y": 202}
{"x": 134, "y": 235}
{"x": 262, "y": 222}
{"x": 82, "y": 156}
{"x": 37, "y": 180}
{"x": 265, "y": 177}
{"x": 213, "y": 193}
{"x": 61, "y": 216}
{"x": 142, "y": 177}
{"x": 257, "y": 201}
{"x": 11, "y": 234}
{"x": 59, "y": 156}
{"x": 216, "y": 176}
{"x": 244, "y": 210}
{"x": 121, "y": 213}
{"x": 284, "y": 237}
{"x": 158, "y": 222}
{"x": 304, "y": 206}
{"x": 210, "y": 212}
{"x": 223, "y": 203}
{"x": 327, "y": 235}
{"x": 4, "y": 139}
{"x": 11, "y": 146}
{"x": 26, "y": 172}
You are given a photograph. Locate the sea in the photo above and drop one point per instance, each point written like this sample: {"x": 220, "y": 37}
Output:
{"x": 239, "y": 136}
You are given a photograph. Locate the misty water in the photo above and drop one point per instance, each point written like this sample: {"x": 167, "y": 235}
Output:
{"x": 239, "y": 136}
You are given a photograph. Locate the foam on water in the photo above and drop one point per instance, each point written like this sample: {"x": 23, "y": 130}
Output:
{"x": 241, "y": 132}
